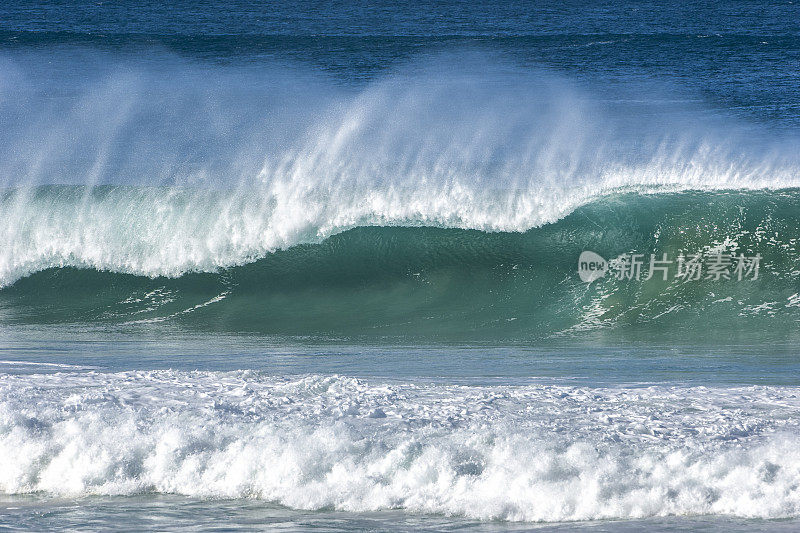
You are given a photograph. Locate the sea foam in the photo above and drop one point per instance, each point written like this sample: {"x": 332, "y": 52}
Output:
{"x": 536, "y": 452}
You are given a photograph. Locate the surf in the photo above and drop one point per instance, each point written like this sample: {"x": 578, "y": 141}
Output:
{"x": 334, "y": 442}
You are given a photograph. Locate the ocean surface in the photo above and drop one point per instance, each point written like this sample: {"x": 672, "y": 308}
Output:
{"x": 269, "y": 265}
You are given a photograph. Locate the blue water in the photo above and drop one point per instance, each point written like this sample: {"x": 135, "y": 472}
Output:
{"x": 268, "y": 265}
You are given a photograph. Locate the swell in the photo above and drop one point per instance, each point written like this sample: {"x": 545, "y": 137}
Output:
{"x": 441, "y": 283}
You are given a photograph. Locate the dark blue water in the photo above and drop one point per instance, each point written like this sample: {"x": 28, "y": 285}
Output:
{"x": 740, "y": 57}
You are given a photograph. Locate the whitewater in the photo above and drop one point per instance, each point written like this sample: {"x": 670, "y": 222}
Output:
{"x": 533, "y": 452}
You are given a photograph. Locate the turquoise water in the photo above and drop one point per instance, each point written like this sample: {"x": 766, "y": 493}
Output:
{"x": 269, "y": 266}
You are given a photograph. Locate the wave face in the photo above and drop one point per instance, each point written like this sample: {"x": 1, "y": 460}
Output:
{"x": 409, "y": 281}
{"x": 532, "y": 452}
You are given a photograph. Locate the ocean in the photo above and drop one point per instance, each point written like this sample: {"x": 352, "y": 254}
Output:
{"x": 429, "y": 266}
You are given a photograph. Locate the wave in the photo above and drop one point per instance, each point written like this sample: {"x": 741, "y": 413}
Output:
{"x": 452, "y": 196}
{"x": 523, "y": 452}
{"x": 421, "y": 281}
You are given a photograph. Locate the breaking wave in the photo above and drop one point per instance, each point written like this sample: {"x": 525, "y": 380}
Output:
{"x": 450, "y": 199}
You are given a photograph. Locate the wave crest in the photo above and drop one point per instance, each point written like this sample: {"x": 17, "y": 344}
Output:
{"x": 212, "y": 167}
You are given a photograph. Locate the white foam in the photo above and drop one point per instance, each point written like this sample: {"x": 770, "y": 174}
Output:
{"x": 50, "y": 365}
{"x": 537, "y": 452}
